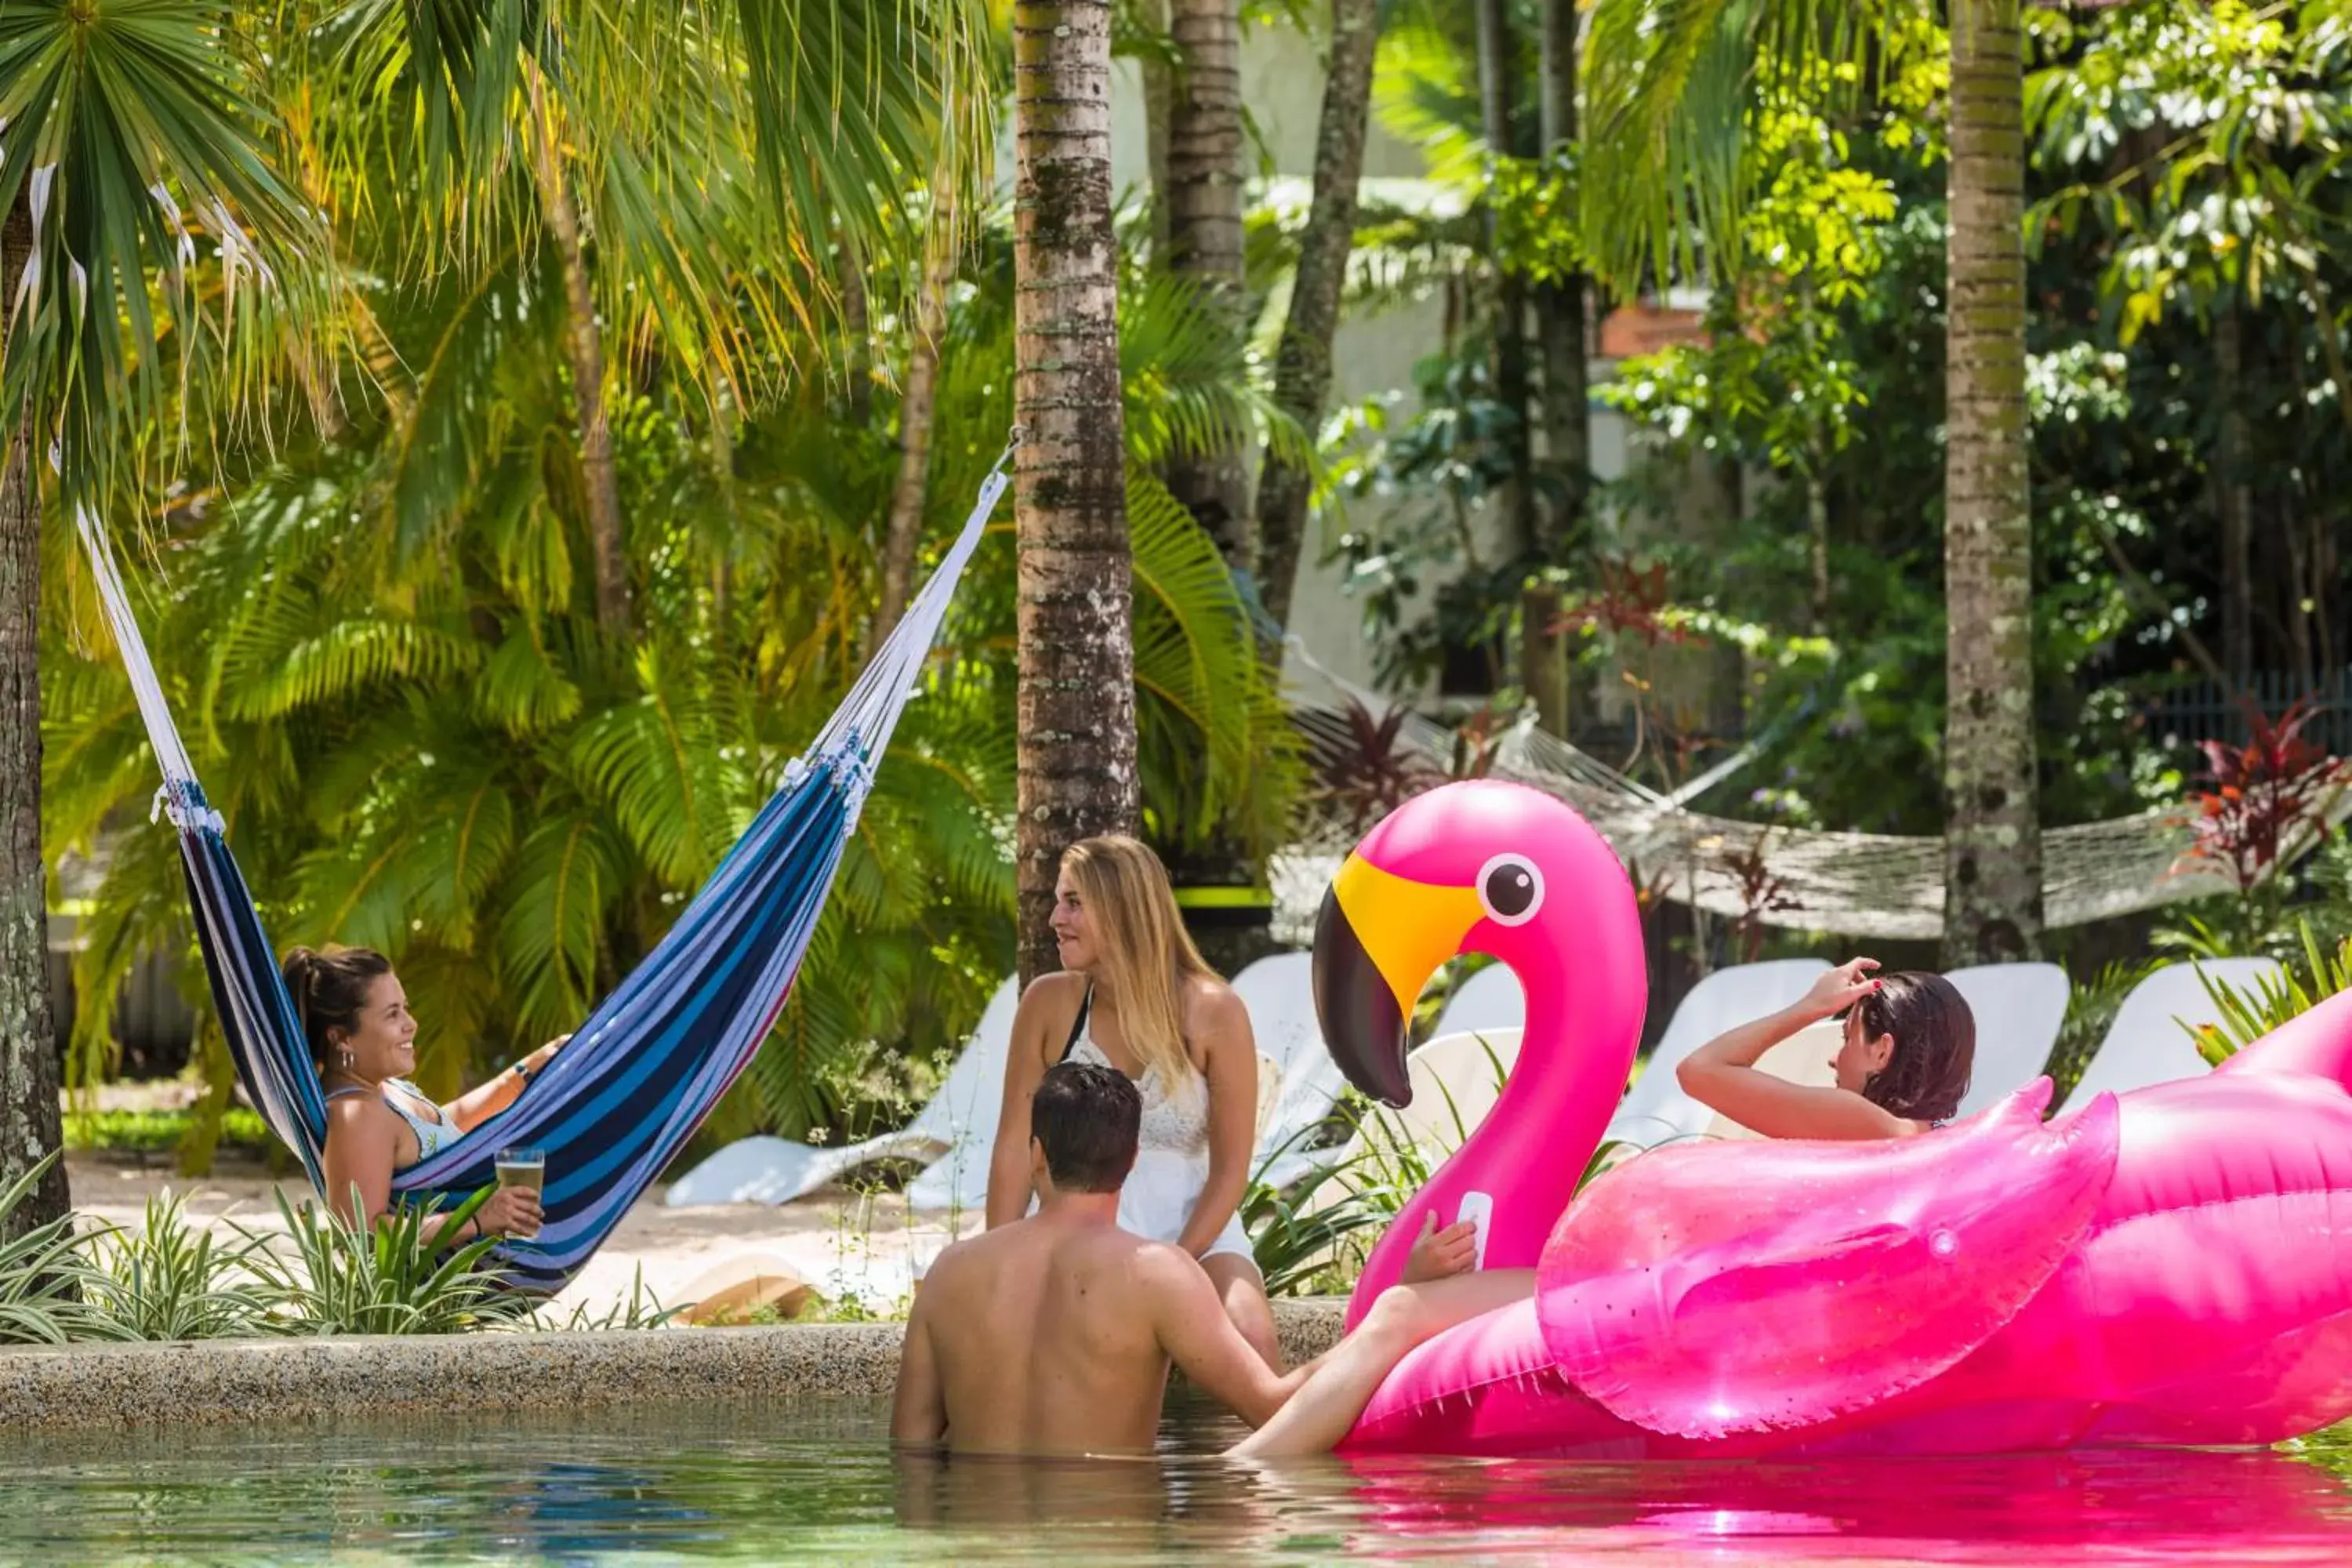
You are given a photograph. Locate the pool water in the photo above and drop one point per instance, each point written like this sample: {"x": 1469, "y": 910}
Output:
{"x": 814, "y": 1481}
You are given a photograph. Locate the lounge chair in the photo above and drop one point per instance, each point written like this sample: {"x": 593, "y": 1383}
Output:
{"x": 960, "y": 1117}
{"x": 1489, "y": 1000}
{"x": 1455, "y": 1080}
{"x": 2019, "y": 1009}
{"x": 1655, "y": 1108}
{"x": 2147, "y": 1042}
{"x": 1279, "y": 992}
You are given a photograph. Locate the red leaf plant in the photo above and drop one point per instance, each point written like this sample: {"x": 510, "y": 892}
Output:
{"x": 2263, "y": 797}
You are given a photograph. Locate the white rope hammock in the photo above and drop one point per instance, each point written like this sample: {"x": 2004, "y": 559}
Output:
{"x": 1876, "y": 884}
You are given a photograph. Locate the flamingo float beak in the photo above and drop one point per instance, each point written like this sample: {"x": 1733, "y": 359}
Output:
{"x": 1379, "y": 939}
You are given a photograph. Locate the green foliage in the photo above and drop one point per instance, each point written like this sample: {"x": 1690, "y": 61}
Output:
{"x": 160, "y": 1131}
{"x": 168, "y": 1279}
{"x": 2091, "y": 1010}
{"x": 387, "y": 1278}
{"x": 2248, "y": 1014}
{"x": 1312, "y": 1236}
{"x": 42, "y": 1274}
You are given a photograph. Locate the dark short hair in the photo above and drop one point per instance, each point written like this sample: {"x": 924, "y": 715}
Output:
{"x": 1087, "y": 1117}
{"x": 1935, "y": 1046}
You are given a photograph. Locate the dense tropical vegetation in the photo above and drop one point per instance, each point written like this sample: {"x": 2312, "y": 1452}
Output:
{"x": 519, "y": 420}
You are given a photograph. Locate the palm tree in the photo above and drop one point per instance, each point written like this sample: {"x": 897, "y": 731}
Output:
{"x": 123, "y": 121}
{"x": 1077, "y": 712}
{"x": 428, "y": 751}
{"x": 1993, "y": 835}
{"x": 141, "y": 137}
{"x": 1204, "y": 198}
{"x": 1302, "y": 373}
{"x": 1670, "y": 90}
{"x": 28, "y": 1080}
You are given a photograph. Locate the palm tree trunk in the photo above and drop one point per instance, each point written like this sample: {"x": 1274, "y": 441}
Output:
{"x": 1559, "y": 313}
{"x": 2235, "y": 499}
{"x": 1498, "y": 81}
{"x": 915, "y": 409}
{"x": 1302, "y": 364}
{"x": 1204, "y": 243}
{"x": 1993, "y": 835}
{"x": 583, "y": 343}
{"x": 1158, "y": 109}
{"x": 1568, "y": 437}
{"x": 1077, "y": 697}
{"x": 29, "y": 1122}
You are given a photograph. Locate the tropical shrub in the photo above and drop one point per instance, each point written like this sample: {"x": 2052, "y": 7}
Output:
{"x": 42, "y": 1274}
{"x": 384, "y": 1280}
{"x": 2249, "y": 1013}
{"x": 168, "y": 1279}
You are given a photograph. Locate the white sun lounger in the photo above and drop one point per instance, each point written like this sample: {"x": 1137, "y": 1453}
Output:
{"x": 2145, "y": 1044}
{"x": 1489, "y": 1000}
{"x": 1655, "y": 1108}
{"x": 1279, "y": 992}
{"x": 960, "y": 1117}
{"x": 2019, "y": 1009}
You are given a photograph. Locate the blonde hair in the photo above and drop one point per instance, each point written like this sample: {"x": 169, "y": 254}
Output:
{"x": 1147, "y": 955}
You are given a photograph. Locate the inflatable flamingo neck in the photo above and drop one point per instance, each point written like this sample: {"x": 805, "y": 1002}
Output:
{"x": 1500, "y": 870}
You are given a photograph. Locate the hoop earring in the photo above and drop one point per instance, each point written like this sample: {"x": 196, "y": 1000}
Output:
{"x": 345, "y": 1060}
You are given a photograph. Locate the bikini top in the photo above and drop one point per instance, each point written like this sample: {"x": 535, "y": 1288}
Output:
{"x": 433, "y": 1136}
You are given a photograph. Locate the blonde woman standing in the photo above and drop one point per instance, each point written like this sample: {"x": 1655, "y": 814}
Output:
{"x": 1134, "y": 993}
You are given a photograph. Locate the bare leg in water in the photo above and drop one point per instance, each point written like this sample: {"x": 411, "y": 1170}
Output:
{"x": 1327, "y": 1404}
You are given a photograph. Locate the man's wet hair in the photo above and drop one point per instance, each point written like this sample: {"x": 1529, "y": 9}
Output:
{"x": 1088, "y": 1118}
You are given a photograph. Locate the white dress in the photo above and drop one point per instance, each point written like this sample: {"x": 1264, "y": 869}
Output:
{"x": 1171, "y": 1159}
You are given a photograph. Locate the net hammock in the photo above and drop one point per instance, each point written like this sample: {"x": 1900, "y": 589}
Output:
{"x": 1876, "y": 884}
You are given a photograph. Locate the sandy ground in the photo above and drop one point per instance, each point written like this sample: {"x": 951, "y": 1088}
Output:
{"x": 840, "y": 1242}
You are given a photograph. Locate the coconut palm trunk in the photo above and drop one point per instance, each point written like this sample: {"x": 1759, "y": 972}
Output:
{"x": 1992, "y": 837}
{"x": 1203, "y": 203}
{"x": 917, "y": 406}
{"x": 1497, "y": 87}
{"x": 583, "y": 343}
{"x": 29, "y": 1128}
{"x": 1567, "y": 437}
{"x": 1077, "y": 697}
{"x": 1302, "y": 364}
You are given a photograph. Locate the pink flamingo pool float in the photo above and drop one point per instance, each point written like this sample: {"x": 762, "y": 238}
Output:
{"x": 2171, "y": 1265}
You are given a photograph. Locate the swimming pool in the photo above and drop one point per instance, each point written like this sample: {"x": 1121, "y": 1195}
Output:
{"x": 812, "y": 1482}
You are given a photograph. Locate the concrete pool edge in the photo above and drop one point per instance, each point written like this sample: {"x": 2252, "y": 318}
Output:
{"x": 225, "y": 1381}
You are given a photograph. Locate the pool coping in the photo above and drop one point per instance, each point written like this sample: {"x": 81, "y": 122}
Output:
{"x": 212, "y": 1382}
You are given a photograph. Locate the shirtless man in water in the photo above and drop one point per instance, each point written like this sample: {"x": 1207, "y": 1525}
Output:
{"x": 1054, "y": 1334}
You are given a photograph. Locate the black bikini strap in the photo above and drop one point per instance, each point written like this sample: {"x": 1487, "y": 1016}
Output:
{"x": 1078, "y": 1025}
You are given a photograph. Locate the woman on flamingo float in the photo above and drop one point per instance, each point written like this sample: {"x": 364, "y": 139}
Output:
{"x": 363, "y": 1039}
{"x": 1134, "y": 993}
{"x": 1907, "y": 1049}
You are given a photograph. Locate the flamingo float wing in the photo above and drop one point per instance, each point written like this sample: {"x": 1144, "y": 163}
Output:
{"x": 1675, "y": 1299}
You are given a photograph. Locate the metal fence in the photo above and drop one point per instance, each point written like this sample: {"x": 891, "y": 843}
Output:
{"x": 2210, "y": 710}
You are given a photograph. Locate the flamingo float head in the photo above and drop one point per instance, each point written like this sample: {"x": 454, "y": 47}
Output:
{"x": 1482, "y": 867}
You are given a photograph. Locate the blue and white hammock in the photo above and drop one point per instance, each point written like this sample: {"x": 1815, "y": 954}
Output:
{"x": 617, "y": 1104}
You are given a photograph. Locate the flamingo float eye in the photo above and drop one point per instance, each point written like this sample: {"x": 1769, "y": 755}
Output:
{"x": 1510, "y": 890}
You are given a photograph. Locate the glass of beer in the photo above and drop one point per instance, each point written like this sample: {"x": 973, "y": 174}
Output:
{"x": 523, "y": 1168}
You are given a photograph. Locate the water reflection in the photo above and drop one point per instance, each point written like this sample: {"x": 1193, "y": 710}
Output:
{"x": 815, "y": 1480}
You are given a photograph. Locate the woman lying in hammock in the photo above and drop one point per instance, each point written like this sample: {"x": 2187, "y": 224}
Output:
{"x": 355, "y": 1016}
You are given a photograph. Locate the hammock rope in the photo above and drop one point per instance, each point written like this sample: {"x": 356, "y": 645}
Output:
{"x": 640, "y": 1073}
{"x": 1872, "y": 884}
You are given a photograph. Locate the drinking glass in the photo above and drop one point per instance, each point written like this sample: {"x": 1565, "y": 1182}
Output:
{"x": 523, "y": 1168}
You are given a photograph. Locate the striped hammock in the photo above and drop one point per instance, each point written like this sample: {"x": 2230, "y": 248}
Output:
{"x": 617, "y": 1104}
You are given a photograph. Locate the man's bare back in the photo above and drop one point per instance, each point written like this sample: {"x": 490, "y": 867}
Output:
{"x": 1053, "y": 1335}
